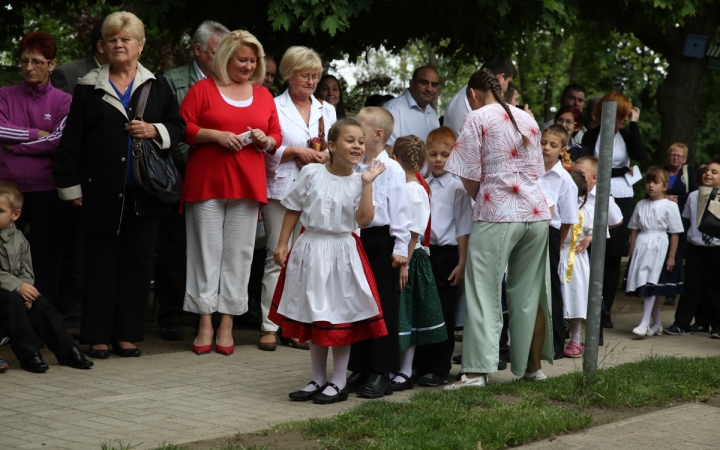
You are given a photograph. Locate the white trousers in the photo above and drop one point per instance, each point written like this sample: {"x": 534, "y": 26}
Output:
{"x": 220, "y": 244}
{"x": 273, "y": 214}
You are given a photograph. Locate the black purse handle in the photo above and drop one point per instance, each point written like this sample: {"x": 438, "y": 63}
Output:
{"x": 139, "y": 111}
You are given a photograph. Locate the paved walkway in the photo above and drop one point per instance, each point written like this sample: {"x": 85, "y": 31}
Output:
{"x": 181, "y": 397}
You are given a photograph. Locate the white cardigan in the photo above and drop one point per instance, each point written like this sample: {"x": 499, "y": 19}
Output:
{"x": 295, "y": 133}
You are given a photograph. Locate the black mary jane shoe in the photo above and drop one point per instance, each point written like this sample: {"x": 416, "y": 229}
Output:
{"x": 356, "y": 380}
{"x": 340, "y": 396}
{"x": 34, "y": 364}
{"x": 377, "y": 386}
{"x": 303, "y": 396}
{"x": 76, "y": 360}
{"x": 126, "y": 352}
{"x": 98, "y": 353}
{"x": 405, "y": 385}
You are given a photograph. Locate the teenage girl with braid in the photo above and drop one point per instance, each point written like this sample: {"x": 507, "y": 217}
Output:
{"x": 421, "y": 316}
{"x": 498, "y": 158}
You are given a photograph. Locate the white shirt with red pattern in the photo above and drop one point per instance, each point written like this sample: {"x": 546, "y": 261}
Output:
{"x": 491, "y": 151}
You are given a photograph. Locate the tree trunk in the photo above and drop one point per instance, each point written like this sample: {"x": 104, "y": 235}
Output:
{"x": 547, "y": 114}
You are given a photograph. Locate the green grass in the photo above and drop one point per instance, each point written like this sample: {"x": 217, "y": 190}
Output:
{"x": 469, "y": 417}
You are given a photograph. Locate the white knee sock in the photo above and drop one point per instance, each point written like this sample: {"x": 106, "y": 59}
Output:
{"x": 406, "y": 360}
{"x": 341, "y": 358}
{"x": 647, "y": 310}
{"x": 657, "y": 322}
{"x": 318, "y": 359}
{"x": 576, "y": 330}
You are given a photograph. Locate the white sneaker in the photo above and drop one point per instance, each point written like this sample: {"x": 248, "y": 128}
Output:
{"x": 535, "y": 376}
{"x": 642, "y": 330}
{"x": 467, "y": 382}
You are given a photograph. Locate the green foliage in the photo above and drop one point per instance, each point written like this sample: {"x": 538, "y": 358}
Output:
{"x": 332, "y": 16}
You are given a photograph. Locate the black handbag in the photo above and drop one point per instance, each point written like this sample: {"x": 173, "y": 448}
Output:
{"x": 153, "y": 172}
{"x": 709, "y": 222}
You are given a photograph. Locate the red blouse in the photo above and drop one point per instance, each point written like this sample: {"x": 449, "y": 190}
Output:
{"x": 214, "y": 171}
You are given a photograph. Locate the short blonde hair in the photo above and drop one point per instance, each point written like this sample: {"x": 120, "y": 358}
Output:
{"x": 379, "y": 118}
{"x": 298, "y": 58}
{"x": 679, "y": 145}
{"x": 123, "y": 20}
{"x": 590, "y": 161}
{"x": 230, "y": 45}
{"x": 12, "y": 193}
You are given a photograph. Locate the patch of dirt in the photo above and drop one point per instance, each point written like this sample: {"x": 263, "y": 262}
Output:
{"x": 273, "y": 440}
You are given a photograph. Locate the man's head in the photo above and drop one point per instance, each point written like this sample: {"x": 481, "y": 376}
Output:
{"x": 97, "y": 46}
{"x": 205, "y": 42}
{"x": 588, "y": 165}
{"x": 378, "y": 125}
{"x": 424, "y": 85}
{"x": 270, "y": 71}
{"x": 573, "y": 95}
{"x": 11, "y": 201}
{"x": 503, "y": 68}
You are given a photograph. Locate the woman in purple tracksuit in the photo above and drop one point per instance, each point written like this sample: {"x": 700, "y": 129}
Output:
{"x": 32, "y": 118}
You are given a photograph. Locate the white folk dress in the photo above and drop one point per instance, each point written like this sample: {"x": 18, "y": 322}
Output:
{"x": 574, "y": 268}
{"x": 324, "y": 278}
{"x": 655, "y": 219}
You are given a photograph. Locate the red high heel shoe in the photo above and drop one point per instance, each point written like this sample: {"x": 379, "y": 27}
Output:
{"x": 201, "y": 349}
{"x": 227, "y": 351}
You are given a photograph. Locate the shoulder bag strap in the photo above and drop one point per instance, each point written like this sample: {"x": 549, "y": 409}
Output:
{"x": 321, "y": 124}
{"x": 685, "y": 178}
{"x": 144, "y": 92}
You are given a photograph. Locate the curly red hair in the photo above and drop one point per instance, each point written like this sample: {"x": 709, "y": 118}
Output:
{"x": 40, "y": 42}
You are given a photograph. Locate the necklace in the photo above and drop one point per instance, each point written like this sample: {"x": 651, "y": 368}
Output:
{"x": 118, "y": 83}
{"x": 302, "y": 110}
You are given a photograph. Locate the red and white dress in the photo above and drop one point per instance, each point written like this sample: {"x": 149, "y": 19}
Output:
{"x": 326, "y": 292}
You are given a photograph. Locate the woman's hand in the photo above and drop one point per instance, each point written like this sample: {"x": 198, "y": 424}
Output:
{"x": 305, "y": 156}
{"x": 76, "y": 202}
{"x": 281, "y": 252}
{"x": 374, "y": 169}
{"x": 228, "y": 140}
{"x": 142, "y": 130}
{"x": 634, "y": 114}
{"x": 259, "y": 138}
{"x": 404, "y": 276}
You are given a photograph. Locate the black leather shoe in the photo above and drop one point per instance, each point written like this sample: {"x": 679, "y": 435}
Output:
{"x": 171, "y": 332}
{"x": 405, "y": 385}
{"x": 457, "y": 359}
{"x": 378, "y": 385}
{"x": 356, "y": 380}
{"x": 248, "y": 320}
{"x": 606, "y": 320}
{"x": 125, "y": 352}
{"x": 34, "y": 364}
{"x": 303, "y": 396}
{"x": 76, "y": 360}
{"x": 98, "y": 354}
{"x": 340, "y": 396}
{"x": 502, "y": 365}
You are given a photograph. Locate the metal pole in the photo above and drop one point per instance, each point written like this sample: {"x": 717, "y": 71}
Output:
{"x": 597, "y": 257}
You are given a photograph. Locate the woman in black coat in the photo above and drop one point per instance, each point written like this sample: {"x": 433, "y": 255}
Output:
{"x": 627, "y": 145}
{"x": 93, "y": 171}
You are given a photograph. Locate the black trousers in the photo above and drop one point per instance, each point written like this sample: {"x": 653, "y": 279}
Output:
{"x": 381, "y": 355}
{"x": 558, "y": 318}
{"x": 617, "y": 247}
{"x": 40, "y": 211}
{"x": 24, "y": 327}
{"x": 170, "y": 267}
{"x": 437, "y": 358}
{"x": 70, "y": 275}
{"x": 702, "y": 285}
{"x": 118, "y": 271}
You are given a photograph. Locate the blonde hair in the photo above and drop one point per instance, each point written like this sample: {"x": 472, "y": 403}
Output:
{"x": 123, "y": 20}
{"x": 379, "y": 119}
{"x": 298, "y": 58}
{"x": 559, "y": 131}
{"x": 679, "y": 145}
{"x": 589, "y": 160}
{"x": 12, "y": 193}
{"x": 230, "y": 45}
{"x": 410, "y": 152}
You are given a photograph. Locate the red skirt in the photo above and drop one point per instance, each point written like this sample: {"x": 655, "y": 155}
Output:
{"x": 328, "y": 334}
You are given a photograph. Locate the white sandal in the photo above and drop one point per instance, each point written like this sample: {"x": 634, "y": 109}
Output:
{"x": 468, "y": 382}
{"x": 642, "y": 329}
{"x": 535, "y": 376}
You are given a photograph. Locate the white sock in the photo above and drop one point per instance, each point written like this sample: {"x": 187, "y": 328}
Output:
{"x": 406, "y": 360}
{"x": 575, "y": 330}
{"x": 647, "y": 310}
{"x": 318, "y": 359}
{"x": 341, "y": 358}
{"x": 657, "y": 321}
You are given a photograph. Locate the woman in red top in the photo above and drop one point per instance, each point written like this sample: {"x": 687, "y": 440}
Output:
{"x": 225, "y": 183}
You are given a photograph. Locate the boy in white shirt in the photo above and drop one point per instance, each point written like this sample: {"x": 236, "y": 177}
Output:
{"x": 386, "y": 245}
{"x": 556, "y": 179}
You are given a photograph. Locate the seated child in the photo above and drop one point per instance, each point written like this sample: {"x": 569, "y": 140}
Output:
{"x": 24, "y": 313}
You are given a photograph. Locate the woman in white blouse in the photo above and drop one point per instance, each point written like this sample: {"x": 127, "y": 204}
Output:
{"x": 302, "y": 118}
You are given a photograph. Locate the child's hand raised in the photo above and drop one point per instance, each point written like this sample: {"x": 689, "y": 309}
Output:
{"x": 280, "y": 255}
{"x": 374, "y": 169}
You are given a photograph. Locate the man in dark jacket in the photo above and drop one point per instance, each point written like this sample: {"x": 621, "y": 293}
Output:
{"x": 66, "y": 76}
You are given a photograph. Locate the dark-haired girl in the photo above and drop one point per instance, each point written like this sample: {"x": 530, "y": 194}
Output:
{"x": 499, "y": 160}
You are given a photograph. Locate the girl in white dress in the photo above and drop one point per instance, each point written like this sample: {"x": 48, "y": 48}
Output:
{"x": 574, "y": 267}
{"x": 651, "y": 260}
{"x": 326, "y": 293}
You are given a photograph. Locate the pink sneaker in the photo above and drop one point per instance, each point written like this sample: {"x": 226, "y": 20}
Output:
{"x": 573, "y": 350}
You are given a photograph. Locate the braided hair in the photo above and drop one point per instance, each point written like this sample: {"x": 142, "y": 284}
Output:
{"x": 484, "y": 80}
{"x": 410, "y": 152}
{"x": 581, "y": 184}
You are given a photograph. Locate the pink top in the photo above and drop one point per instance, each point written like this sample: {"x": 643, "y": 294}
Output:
{"x": 491, "y": 151}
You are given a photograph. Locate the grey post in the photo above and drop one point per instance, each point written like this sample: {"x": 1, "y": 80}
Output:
{"x": 597, "y": 257}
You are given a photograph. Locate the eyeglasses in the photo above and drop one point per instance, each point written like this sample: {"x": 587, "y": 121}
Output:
{"x": 675, "y": 155}
{"x": 565, "y": 122}
{"x": 34, "y": 62}
{"x": 307, "y": 77}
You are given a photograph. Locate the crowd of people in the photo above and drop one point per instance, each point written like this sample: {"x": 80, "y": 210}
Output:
{"x": 378, "y": 233}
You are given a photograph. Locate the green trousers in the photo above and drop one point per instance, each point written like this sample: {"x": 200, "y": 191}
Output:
{"x": 523, "y": 249}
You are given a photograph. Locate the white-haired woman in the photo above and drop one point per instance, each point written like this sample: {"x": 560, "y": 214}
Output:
{"x": 302, "y": 118}
{"x": 93, "y": 171}
{"x": 225, "y": 183}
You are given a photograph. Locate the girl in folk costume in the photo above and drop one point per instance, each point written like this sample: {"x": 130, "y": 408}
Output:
{"x": 652, "y": 270}
{"x": 326, "y": 292}
{"x": 574, "y": 268}
{"x": 421, "y": 317}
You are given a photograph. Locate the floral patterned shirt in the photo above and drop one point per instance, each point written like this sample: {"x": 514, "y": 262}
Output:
{"x": 491, "y": 151}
